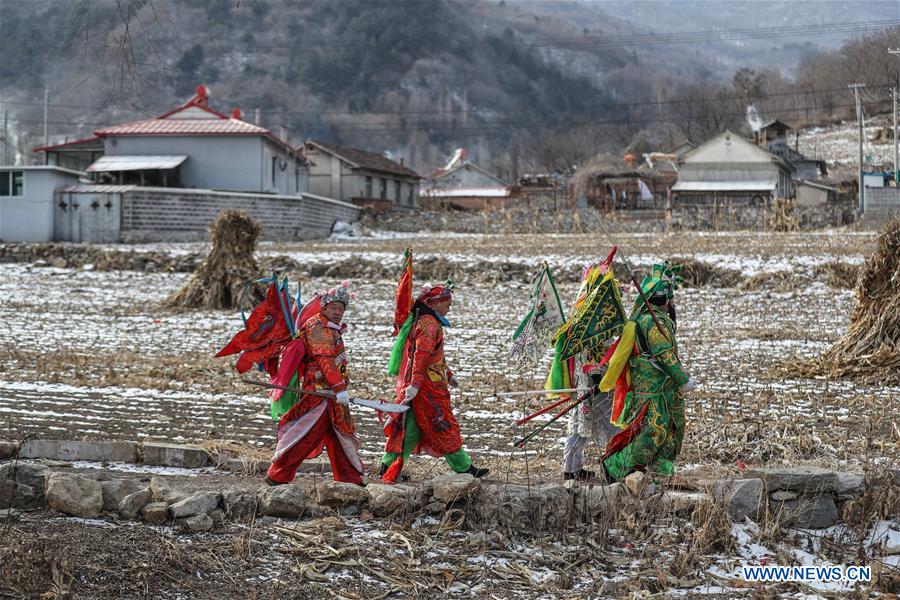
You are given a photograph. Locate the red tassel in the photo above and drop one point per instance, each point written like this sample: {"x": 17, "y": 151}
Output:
{"x": 393, "y": 471}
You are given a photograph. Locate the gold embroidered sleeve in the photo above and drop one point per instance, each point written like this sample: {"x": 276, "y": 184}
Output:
{"x": 663, "y": 351}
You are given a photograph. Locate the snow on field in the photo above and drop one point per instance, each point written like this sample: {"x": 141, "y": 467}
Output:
{"x": 91, "y": 354}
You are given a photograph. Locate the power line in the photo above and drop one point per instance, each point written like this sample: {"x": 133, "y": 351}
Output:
{"x": 513, "y": 124}
{"x": 606, "y": 105}
{"x": 568, "y": 42}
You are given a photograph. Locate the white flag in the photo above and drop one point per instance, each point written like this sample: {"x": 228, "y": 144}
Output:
{"x": 545, "y": 316}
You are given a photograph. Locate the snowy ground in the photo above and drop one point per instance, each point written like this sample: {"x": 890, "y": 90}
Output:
{"x": 89, "y": 354}
{"x": 86, "y": 354}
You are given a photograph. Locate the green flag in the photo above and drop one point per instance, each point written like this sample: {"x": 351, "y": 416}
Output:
{"x": 600, "y": 318}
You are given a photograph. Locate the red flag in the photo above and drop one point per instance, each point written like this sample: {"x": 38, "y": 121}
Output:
{"x": 404, "y": 293}
{"x": 264, "y": 335}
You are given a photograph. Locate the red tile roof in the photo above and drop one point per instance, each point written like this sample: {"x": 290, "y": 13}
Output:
{"x": 194, "y": 117}
{"x": 159, "y": 126}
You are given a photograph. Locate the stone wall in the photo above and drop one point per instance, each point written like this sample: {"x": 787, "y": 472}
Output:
{"x": 32, "y": 477}
{"x": 160, "y": 214}
{"x": 882, "y": 204}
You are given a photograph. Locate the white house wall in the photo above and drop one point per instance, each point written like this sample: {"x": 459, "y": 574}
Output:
{"x": 29, "y": 218}
{"x": 237, "y": 163}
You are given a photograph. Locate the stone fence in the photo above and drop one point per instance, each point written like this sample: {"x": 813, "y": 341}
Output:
{"x": 33, "y": 477}
{"x": 113, "y": 214}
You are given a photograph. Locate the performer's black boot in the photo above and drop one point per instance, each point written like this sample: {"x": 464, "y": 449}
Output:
{"x": 273, "y": 483}
{"x": 580, "y": 475}
{"x": 476, "y": 472}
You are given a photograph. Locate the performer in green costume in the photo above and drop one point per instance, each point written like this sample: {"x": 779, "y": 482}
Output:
{"x": 653, "y": 410}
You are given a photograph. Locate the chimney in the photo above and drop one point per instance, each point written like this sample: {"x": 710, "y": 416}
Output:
{"x": 401, "y": 161}
{"x": 237, "y": 114}
{"x": 256, "y": 116}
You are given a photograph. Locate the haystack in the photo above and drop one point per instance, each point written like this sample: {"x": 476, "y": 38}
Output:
{"x": 870, "y": 350}
{"x": 220, "y": 282}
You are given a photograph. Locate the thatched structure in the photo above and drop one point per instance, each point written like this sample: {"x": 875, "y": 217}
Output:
{"x": 870, "y": 350}
{"x": 221, "y": 280}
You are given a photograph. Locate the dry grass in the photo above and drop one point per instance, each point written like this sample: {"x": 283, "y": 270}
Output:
{"x": 870, "y": 349}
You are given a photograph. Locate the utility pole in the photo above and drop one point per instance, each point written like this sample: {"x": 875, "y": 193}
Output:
{"x": 862, "y": 194}
{"x": 896, "y": 168}
{"x": 46, "y": 113}
{"x": 895, "y": 52}
{"x": 5, "y": 140}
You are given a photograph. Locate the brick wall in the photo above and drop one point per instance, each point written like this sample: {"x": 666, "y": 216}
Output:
{"x": 158, "y": 214}
{"x": 882, "y": 204}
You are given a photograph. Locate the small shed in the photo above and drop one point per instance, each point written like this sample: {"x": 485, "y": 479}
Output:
{"x": 813, "y": 193}
{"x": 26, "y": 200}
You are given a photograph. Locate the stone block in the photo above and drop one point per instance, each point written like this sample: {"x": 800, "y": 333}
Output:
{"x": 596, "y": 500}
{"x": 805, "y": 480}
{"x": 9, "y": 515}
{"x": 677, "y": 501}
{"x": 132, "y": 504}
{"x": 7, "y": 450}
{"x": 386, "y": 500}
{"x": 454, "y": 487}
{"x": 164, "y": 491}
{"x": 282, "y": 501}
{"x": 340, "y": 494}
{"x": 198, "y": 503}
{"x": 782, "y": 496}
{"x": 743, "y": 498}
{"x": 20, "y": 495}
{"x": 849, "y": 486}
{"x": 31, "y": 474}
{"x": 239, "y": 504}
{"x": 809, "y": 512}
{"x": 156, "y": 513}
{"x": 72, "y": 450}
{"x": 114, "y": 490}
{"x": 74, "y": 495}
{"x": 175, "y": 455}
{"x": 195, "y": 523}
{"x": 520, "y": 507}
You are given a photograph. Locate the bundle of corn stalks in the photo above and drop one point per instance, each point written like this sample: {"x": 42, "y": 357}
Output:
{"x": 870, "y": 350}
{"x": 783, "y": 218}
{"x": 220, "y": 282}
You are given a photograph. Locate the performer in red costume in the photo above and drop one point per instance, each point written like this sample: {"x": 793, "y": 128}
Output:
{"x": 315, "y": 423}
{"x": 423, "y": 380}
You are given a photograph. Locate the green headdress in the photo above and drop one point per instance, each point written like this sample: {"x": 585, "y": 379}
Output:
{"x": 663, "y": 280}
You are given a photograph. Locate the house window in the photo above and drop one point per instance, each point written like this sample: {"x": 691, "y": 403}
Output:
{"x": 12, "y": 183}
{"x": 409, "y": 195}
{"x": 274, "y": 166}
{"x": 382, "y": 188}
{"x": 397, "y": 186}
{"x": 297, "y": 180}
{"x": 368, "y": 186}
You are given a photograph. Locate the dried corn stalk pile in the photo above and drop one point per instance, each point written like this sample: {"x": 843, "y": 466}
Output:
{"x": 220, "y": 282}
{"x": 870, "y": 350}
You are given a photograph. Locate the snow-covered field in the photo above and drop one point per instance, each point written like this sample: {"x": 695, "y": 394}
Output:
{"x": 89, "y": 354}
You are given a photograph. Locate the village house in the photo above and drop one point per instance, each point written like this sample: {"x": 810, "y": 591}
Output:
{"x": 463, "y": 184}
{"x": 728, "y": 169}
{"x": 168, "y": 177}
{"x": 609, "y": 182}
{"x": 192, "y": 146}
{"x": 366, "y": 179}
{"x": 26, "y": 200}
{"x": 773, "y": 137}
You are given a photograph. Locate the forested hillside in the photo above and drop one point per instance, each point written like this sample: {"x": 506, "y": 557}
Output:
{"x": 416, "y": 78}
